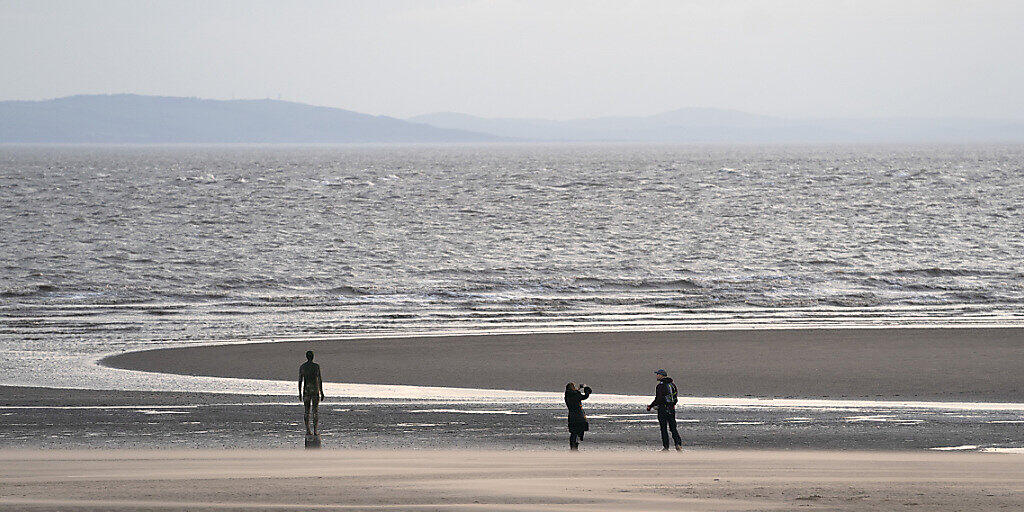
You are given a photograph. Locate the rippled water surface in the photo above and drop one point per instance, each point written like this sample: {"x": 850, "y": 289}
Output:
{"x": 111, "y": 248}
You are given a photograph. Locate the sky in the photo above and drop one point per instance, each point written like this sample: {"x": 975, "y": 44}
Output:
{"x": 552, "y": 59}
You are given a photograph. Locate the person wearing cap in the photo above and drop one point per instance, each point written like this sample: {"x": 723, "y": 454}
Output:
{"x": 574, "y": 397}
{"x": 665, "y": 398}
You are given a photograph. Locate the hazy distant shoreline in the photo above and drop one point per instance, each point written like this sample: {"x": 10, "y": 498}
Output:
{"x": 131, "y": 118}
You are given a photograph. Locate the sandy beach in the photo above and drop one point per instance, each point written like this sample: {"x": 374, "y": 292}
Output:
{"x": 504, "y": 480}
{"x": 978, "y": 364}
{"x": 211, "y": 450}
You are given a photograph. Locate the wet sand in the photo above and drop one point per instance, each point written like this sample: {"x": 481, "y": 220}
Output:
{"x": 504, "y": 480}
{"x": 968, "y": 364}
{"x": 33, "y": 418}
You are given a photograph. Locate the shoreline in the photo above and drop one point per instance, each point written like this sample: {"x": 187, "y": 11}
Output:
{"x": 962, "y": 365}
{"x": 578, "y": 330}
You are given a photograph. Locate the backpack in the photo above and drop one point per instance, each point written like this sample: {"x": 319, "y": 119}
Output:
{"x": 671, "y": 394}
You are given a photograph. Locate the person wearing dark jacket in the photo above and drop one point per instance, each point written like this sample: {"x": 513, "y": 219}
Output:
{"x": 577, "y": 419}
{"x": 665, "y": 397}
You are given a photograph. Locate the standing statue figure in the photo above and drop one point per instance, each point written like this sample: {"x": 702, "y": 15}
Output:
{"x": 311, "y": 391}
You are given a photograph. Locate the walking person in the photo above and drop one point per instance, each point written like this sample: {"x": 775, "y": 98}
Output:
{"x": 577, "y": 419}
{"x": 665, "y": 398}
{"x": 311, "y": 391}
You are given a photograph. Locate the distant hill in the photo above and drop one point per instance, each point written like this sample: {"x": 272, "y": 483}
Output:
{"x": 719, "y": 125}
{"x": 128, "y": 118}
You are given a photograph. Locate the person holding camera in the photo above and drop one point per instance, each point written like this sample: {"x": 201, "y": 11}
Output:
{"x": 577, "y": 419}
{"x": 665, "y": 397}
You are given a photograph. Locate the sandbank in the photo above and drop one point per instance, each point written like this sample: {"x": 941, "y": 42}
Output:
{"x": 931, "y": 364}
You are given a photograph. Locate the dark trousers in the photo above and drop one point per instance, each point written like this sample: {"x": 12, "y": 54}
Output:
{"x": 667, "y": 421}
{"x": 574, "y": 440}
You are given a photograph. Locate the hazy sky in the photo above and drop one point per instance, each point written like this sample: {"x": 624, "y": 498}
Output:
{"x": 550, "y": 58}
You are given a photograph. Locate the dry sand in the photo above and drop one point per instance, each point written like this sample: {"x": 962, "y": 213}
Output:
{"x": 483, "y": 480}
{"x": 912, "y": 364}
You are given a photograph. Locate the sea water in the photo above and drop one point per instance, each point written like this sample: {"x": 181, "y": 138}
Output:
{"x": 111, "y": 248}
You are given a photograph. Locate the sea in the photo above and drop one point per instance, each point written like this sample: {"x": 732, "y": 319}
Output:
{"x": 106, "y": 249}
